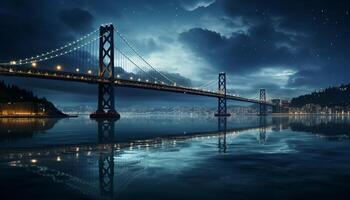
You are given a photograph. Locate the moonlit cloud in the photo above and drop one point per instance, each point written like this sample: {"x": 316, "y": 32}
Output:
{"x": 192, "y": 5}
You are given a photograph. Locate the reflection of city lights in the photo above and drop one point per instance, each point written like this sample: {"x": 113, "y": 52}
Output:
{"x": 58, "y": 159}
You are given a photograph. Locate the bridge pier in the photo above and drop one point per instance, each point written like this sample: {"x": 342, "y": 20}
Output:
{"x": 106, "y": 106}
{"x": 222, "y": 106}
{"x": 262, "y": 110}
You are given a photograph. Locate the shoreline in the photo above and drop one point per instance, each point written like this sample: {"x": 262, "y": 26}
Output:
{"x": 38, "y": 116}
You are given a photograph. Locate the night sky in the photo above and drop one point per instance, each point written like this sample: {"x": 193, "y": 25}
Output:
{"x": 289, "y": 47}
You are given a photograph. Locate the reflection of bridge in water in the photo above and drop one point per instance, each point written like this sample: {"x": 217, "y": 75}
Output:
{"x": 109, "y": 156}
{"x": 112, "y": 166}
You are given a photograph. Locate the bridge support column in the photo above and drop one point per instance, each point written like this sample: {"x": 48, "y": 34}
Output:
{"x": 262, "y": 110}
{"x": 106, "y": 107}
{"x": 222, "y": 108}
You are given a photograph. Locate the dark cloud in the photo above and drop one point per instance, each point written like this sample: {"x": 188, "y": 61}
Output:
{"x": 297, "y": 35}
{"x": 77, "y": 19}
{"x": 261, "y": 46}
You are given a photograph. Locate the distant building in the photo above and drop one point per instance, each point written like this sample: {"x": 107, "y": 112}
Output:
{"x": 22, "y": 108}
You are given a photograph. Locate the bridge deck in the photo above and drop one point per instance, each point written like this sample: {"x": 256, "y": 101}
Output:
{"x": 93, "y": 79}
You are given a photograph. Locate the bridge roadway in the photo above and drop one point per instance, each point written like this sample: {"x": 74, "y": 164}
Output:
{"x": 94, "y": 79}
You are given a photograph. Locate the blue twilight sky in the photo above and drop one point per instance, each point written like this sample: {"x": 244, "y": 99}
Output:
{"x": 289, "y": 47}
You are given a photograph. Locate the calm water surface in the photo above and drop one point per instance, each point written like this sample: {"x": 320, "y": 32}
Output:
{"x": 171, "y": 157}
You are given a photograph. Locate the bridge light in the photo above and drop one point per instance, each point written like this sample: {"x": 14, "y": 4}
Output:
{"x": 138, "y": 79}
{"x": 162, "y": 83}
{"x": 147, "y": 80}
{"x": 34, "y": 64}
{"x": 58, "y": 67}
{"x": 155, "y": 82}
{"x": 89, "y": 71}
{"x": 131, "y": 77}
{"x": 118, "y": 76}
{"x": 174, "y": 84}
{"x": 13, "y": 62}
{"x": 77, "y": 69}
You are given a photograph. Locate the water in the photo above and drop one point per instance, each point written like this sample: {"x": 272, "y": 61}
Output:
{"x": 171, "y": 157}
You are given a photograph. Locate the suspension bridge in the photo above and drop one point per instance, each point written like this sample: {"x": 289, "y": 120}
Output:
{"x": 106, "y": 57}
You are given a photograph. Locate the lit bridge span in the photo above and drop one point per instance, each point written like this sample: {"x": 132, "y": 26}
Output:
{"x": 111, "y": 66}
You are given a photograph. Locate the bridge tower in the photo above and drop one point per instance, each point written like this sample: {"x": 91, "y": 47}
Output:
{"x": 106, "y": 107}
{"x": 222, "y": 108}
{"x": 262, "y": 110}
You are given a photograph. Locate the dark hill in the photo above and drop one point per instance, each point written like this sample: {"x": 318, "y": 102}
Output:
{"x": 12, "y": 98}
{"x": 330, "y": 97}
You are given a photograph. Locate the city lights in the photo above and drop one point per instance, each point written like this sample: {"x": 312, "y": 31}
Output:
{"x": 58, "y": 67}
{"x": 77, "y": 69}
{"x": 89, "y": 71}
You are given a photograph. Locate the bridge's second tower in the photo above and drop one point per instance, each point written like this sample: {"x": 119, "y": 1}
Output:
{"x": 262, "y": 111}
{"x": 106, "y": 107}
{"x": 222, "y": 108}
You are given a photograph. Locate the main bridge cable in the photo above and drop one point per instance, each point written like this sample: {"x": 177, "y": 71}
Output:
{"x": 136, "y": 52}
{"x": 207, "y": 84}
{"x": 123, "y": 56}
{"x": 48, "y": 55}
{"x": 133, "y": 62}
{"x": 54, "y": 56}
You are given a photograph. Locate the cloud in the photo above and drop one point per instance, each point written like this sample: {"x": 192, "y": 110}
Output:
{"x": 192, "y": 5}
{"x": 77, "y": 19}
{"x": 243, "y": 52}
